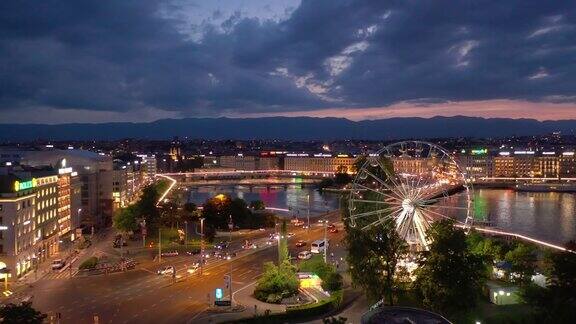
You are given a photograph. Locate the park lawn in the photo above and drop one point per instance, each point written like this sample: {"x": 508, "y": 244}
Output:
{"x": 170, "y": 235}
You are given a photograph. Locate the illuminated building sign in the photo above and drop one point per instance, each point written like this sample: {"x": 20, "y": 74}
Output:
{"x": 65, "y": 170}
{"x": 479, "y": 151}
{"x": 24, "y": 185}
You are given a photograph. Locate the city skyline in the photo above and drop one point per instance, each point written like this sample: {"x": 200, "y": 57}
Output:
{"x": 355, "y": 60}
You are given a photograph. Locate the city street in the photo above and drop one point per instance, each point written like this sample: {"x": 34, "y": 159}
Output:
{"x": 143, "y": 296}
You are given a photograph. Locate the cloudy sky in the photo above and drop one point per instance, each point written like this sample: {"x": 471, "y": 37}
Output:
{"x": 142, "y": 60}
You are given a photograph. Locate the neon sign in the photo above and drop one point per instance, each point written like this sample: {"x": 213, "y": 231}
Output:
{"x": 24, "y": 185}
{"x": 479, "y": 151}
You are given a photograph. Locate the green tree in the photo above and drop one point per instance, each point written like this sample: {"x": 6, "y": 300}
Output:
{"x": 449, "y": 278}
{"x": 283, "y": 253}
{"x": 523, "y": 261}
{"x": 257, "y": 205}
{"x": 373, "y": 256}
{"x": 125, "y": 219}
{"x": 146, "y": 206}
{"x": 277, "y": 282}
{"x": 20, "y": 313}
{"x": 169, "y": 213}
{"x": 557, "y": 302}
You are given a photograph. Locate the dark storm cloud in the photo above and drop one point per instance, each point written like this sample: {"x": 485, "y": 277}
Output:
{"x": 126, "y": 55}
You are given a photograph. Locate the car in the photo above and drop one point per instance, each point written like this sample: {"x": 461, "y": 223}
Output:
{"x": 193, "y": 268}
{"x": 304, "y": 255}
{"x": 301, "y": 243}
{"x": 248, "y": 246}
{"x": 290, "y": 234}
{"x": 271, "y": 241}
{"x": 333, "y": 230}
{"x": 222, "y": 245}
{"x": 167, "y": 270}
{"x": 331, "y": 226}
{"x": 58, "y": 264}
{"x": 261, "y": 229}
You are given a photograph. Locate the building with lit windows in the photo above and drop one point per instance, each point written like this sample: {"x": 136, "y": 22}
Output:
{"x": 17, "y": 224}
{"x": 46, "y": 217}
{"x": 319, "y": 162}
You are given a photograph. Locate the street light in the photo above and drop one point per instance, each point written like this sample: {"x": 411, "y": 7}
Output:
{"x": 201, "y": 245}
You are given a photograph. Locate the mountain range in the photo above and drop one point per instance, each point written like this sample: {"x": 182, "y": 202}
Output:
{"x": 290, "y": 128}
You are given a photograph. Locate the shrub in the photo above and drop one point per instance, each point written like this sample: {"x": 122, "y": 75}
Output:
{"x": 332, "y": 281}
{"x": 278, "y": 282}
{"x": 89, "y": 264}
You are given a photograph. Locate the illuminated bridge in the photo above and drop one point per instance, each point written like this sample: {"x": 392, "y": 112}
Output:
{"x": 250, "y": 178}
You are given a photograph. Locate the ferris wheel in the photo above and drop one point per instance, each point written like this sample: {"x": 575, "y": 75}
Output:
{"x": 413, "y": 184}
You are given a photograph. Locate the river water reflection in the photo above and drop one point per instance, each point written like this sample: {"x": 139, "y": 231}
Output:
{"x": 546, "y": 216}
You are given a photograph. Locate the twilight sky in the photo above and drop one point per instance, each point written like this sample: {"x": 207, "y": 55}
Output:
{"x": 142, "y": 60}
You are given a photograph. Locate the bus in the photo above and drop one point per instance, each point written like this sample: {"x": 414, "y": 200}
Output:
{"x": 319, "y": 246}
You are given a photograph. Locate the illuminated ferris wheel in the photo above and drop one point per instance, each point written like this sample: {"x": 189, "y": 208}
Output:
{"x": 413, "y": 184}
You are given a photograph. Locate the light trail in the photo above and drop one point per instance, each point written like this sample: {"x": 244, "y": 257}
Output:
{"x": 167, "y": 190}
{"x": 520, "y": 236}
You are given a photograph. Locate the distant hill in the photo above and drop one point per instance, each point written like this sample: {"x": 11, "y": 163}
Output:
{"x": 291, "y": 128}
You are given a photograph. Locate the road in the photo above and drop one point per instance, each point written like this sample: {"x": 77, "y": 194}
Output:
{"x": 142, "y": 296}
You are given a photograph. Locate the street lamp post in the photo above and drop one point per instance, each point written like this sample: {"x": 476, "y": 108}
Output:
{"x": 185, "y": 233}
{"x": 201, "y": 244}
{"x": 308, "y": 214}
{"x": 159, "y": 245}
{"x": 325, "y": 239}
{"x": 230, "y": 227}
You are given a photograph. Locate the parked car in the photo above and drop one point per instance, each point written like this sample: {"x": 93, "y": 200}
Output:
{"x": 301, "y": 243}
{"x": 304, "y": 255}
{"x": 167, "y": 270}
{"x": 58, "y": 264}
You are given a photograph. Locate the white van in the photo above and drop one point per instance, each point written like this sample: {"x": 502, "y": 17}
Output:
{"x": 319, "y": 246}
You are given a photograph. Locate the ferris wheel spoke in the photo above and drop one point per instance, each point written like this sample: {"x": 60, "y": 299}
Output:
{"x": 374, "y": 212}
{"x": 378, "y": 192}
{"x": 447, "y": 207}
{"x": 382, "y": 182}
{"x": 371, "y": 201}
{"x": 390, "y": 176}
{"x": 438, "y": 214}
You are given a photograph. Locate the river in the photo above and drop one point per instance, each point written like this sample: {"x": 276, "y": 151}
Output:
{"x": 546, "y": 216}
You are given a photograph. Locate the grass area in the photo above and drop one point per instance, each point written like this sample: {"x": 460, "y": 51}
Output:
{"x": 170, "y": 240}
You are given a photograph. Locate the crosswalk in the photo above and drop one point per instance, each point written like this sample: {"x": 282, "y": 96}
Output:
{"x": 53, "y": 275}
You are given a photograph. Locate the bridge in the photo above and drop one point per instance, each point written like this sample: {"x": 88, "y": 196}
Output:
{"x": 482, "y": 229}
{"x": 249, "y": 178}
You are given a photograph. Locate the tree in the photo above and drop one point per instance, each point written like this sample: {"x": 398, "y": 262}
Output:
{"x": 277, "y": 282}
{"x": 449, "y": 278}
{"x": 557, "y": 302}
{"x": 523, "y": 261}
{"x": 373, "y": 255}
{"x": 169, "y": 213}
{"x": 283, "y": 243}
{"x": 21, "y": 313}
{"x": 125, "y": 219}
{"x": 257, "y": 205}
{"x": 146, "y": 206}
